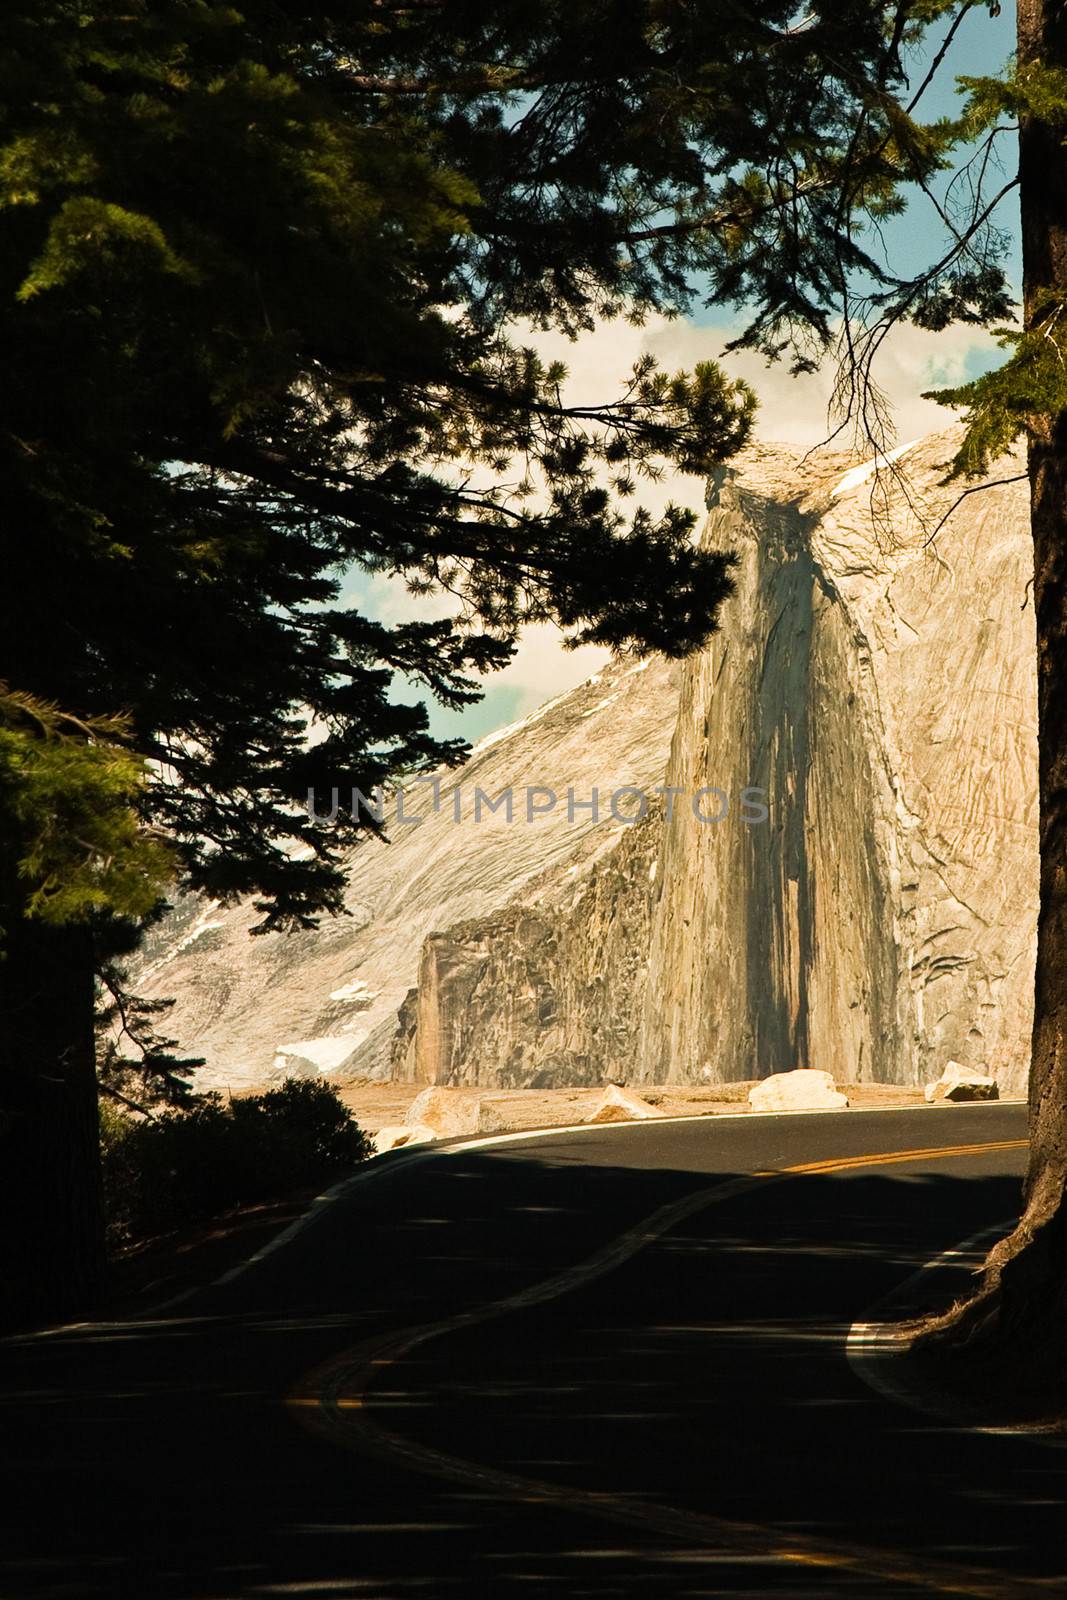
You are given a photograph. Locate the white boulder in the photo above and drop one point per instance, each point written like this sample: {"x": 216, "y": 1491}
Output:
{"x": 447, "y": 1111}
{"x": 451, "y": 1113}
{"x": 800, "y": 1090}
{"x": 400, "y": 1136}
{"x": 619, "y": 1105}
{"x": 958, "y": 1083}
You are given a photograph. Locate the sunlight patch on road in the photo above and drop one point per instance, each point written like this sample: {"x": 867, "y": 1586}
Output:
{"x": 342, "y": 1386}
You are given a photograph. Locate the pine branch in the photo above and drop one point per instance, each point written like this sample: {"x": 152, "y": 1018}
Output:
{"x": 977, "y": 488}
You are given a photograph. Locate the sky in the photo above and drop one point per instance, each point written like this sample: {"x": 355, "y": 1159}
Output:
{"x": 791, "y": 410}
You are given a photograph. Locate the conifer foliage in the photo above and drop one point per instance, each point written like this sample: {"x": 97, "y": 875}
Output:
{"x": 263, "y": 274}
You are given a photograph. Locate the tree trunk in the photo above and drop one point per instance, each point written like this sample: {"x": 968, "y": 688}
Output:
{"x": 51, "y": 1229}
{"x": 1022, "y": 1306}
{"x": 1003, "y": 1349}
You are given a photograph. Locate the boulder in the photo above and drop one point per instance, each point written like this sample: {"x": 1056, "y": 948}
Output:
{"x": 800, "y": 1090}
{"x": 452, "y": 1113}
{"x": 494, "y": 1115}
{"x": 400, "y": 1136}
{"x": 447, "y": 1111}
{"x": 619, "y": 1105}
{"x": 958, "y": 1083}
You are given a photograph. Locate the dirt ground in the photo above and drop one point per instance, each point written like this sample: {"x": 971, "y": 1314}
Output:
{"x": 379, "y": 1105}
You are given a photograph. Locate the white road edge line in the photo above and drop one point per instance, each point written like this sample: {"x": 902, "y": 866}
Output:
{"x": 416, "y": 1155}
{"x": 420, "y": 1154}
{"x": 867, "y": 1338}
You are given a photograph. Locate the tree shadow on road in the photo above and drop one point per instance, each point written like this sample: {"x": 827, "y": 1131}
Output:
{"x": 682, "y": 1424}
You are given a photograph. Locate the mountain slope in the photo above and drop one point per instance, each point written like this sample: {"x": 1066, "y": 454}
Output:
{"x": 329, "y": 998}
{"x": 876, "y": 683}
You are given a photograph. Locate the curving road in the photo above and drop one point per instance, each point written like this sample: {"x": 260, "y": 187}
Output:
{"x": 597, "y": 1363}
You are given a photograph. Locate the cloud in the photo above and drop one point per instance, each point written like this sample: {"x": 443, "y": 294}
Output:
{"x": 797, "y": 410}
{"x": 542, "y": 668}
{"x": 792, "y": 411}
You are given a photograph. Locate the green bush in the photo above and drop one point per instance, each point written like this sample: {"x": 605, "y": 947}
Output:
{"x": 187, "y": 1165}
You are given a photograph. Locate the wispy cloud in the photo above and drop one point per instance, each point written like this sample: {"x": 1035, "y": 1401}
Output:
{"x": 793, "y": 410}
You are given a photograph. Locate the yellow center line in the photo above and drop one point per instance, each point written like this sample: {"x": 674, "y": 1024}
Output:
{"x": 893, "y": 1157}
{"x": 343, "y": 1383}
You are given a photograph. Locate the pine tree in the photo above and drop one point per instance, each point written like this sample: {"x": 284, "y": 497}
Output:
{"x": 1014, "y": 1324}
{"x": 1031, "y": 1288}
{"x": 260, "y": 272}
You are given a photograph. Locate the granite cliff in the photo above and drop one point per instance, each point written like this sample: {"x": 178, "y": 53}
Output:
{"x": 879, "y": 682}
{"x": 549, "y": 990}
{"x": 875, "y": 684}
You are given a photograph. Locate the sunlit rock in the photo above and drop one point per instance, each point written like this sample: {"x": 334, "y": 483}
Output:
{"x": 400, "y": 1136}
{"x": 873, "y": 679}
{"x": 877, "y": 677}
{"x": 617, "y": 1104}
{"x": 801, "y": 1090}
{"x": 453, "y": 1112}
{"x": 958, "y": 1083}
{"x": 236, "y": 996}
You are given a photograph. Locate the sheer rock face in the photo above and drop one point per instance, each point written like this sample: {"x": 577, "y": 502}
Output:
{"x": 879, "y": 923}
{"x": 882, "y": 690}
{"x": 547, "y": 992}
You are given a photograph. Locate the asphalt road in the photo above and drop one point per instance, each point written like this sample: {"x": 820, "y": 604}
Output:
{"x": 595, "y": 1364}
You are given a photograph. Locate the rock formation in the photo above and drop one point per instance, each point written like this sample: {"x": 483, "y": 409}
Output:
{"x": 620, "y": 1105}
{"x": 802, "y": 1089}
{"x": 961, "y": 1083}
{"x": 877, "y": 685}
{"x": 549, "y": 990}
{"x": 880, "y": 685}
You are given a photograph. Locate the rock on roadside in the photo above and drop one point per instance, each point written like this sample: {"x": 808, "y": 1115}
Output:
{"x": 619, "y": 1105}
{"x": 400, "y": 1136}
{"x": 958, "y": 1083}
{"x": 800, "y": 1090}
{"x": 451, "y": 1113}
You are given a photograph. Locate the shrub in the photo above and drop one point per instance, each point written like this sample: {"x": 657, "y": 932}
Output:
{"x": 191, "y": 1164}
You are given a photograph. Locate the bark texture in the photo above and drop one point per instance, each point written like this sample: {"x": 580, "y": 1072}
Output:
{"x": 1019, "y": 1314}
{"x": 51, "y": 1237}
